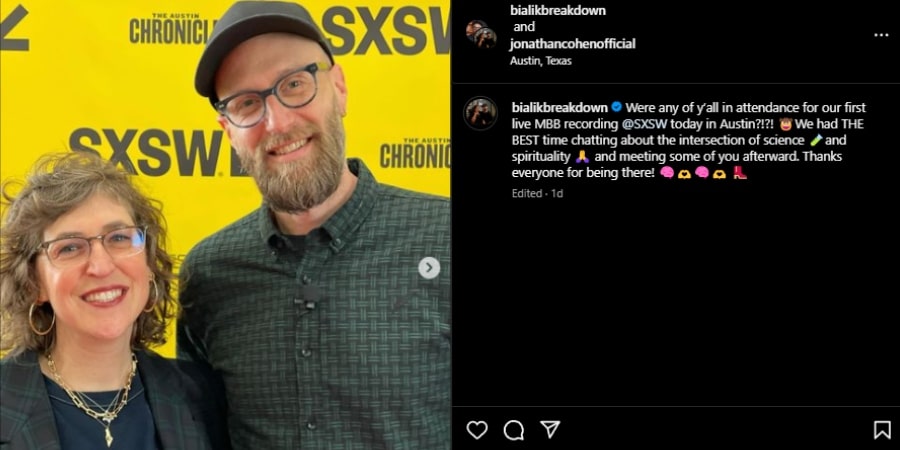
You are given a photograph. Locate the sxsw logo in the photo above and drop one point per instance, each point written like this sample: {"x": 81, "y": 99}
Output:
{"x": 7, "y": 24}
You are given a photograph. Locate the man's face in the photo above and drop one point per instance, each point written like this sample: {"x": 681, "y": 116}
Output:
{"x": 296, "y": 155}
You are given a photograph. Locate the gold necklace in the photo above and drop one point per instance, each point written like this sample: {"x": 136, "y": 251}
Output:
{"x": 106, "y": 417}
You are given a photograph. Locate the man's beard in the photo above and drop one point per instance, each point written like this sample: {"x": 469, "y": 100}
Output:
{"x": 299, "y": 185}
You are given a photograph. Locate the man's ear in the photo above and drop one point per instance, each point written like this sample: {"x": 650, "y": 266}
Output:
{"x": 223, "y": 122}
{"x": 340, "y": 87}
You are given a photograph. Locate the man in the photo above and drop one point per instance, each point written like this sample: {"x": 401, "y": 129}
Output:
{"x": 327, "y": 310}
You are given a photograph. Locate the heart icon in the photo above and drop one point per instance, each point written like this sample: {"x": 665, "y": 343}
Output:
{"x": 476, "y": 428}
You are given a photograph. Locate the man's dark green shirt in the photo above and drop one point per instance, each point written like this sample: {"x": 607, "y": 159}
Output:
{"x": 336, "y": 340}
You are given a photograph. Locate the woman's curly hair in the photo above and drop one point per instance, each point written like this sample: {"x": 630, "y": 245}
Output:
{"x": 58, "y": 183}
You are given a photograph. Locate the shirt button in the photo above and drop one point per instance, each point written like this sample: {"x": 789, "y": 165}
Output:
{"x": 338, "y": 241}
{"x": 311, "y": 425}
{"x": 306, "y": 352}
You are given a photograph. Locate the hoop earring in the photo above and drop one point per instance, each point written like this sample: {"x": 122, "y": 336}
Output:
{"x": 31, "y": 322}
{"x": 155, "y": 297}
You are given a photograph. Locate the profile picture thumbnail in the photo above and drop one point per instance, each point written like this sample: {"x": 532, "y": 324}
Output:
{"x": 481, "y": 113}
{"x": 472, "y": 27}
{"x": 485, "y": 38}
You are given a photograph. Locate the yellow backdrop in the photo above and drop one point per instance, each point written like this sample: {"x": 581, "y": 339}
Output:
{"x": 116, "y": 77}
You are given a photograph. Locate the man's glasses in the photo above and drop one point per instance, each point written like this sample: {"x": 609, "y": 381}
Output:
{"x": 73, "y": 251}
{"x": 294, "y": 90}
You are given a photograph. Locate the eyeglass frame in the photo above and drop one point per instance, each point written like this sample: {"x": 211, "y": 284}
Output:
{"x": 45, "y": 246}
{"x": 312, "y": 68}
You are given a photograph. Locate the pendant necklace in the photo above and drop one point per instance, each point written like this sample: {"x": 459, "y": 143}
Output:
{"x": 110, "y": 413}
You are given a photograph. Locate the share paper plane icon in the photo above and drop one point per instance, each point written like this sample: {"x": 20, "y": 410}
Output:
{"x": 550, "y": 426}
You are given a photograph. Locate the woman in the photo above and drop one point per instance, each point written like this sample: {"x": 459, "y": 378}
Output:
{"x": 85, "y": 290}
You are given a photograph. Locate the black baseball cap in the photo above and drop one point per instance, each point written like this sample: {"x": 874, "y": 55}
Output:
{"x": 244, "y": 20}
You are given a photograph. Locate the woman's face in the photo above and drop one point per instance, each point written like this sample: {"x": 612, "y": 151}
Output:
{"x": 96, "y": 301}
